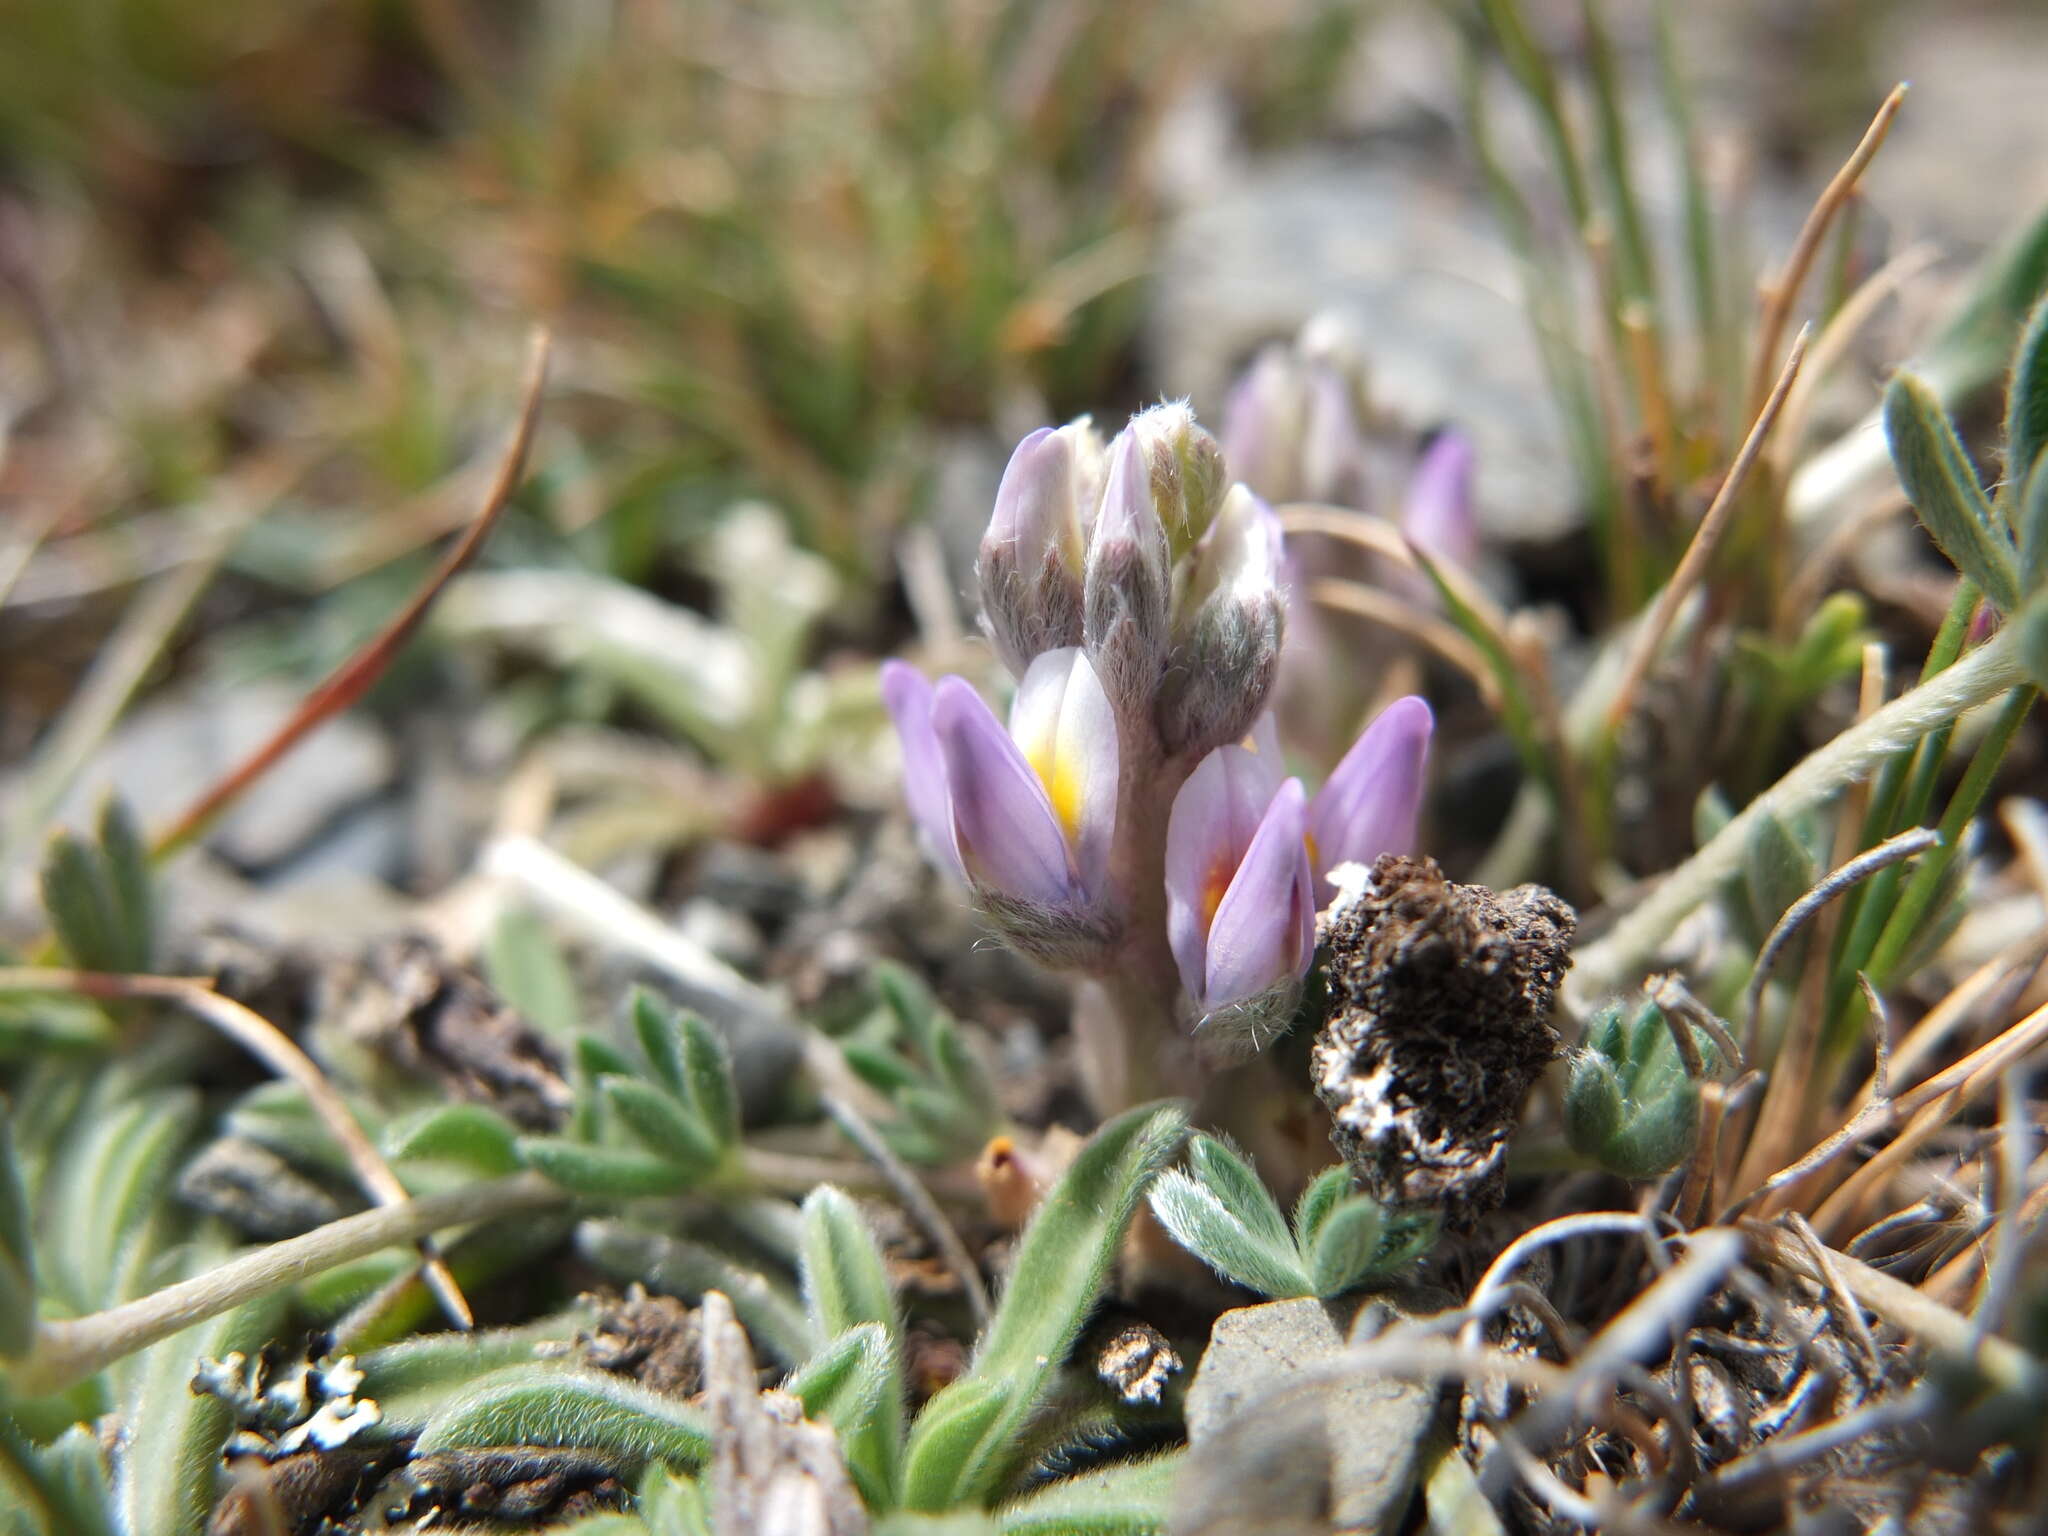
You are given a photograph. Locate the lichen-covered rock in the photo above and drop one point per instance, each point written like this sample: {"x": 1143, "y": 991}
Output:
{"x": 1440, "y": 999}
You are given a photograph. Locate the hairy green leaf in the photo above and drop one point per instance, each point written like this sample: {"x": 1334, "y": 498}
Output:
{"x": 1131, "y": 1498}
{"x": 846, "y": 1285}
{"x": 1232, "y": 1179}
{"x": 855, "y": 1384}
{"x": 707, "y": 1074}
{"x": 1062, "y": 1260}
{"x": 602, "y": 1173}
{"x": 130, "y": 882}
{"x": 561, "y": 1406}
{"x": 474, "y": 1136}
{"x": 659, "y": 1028}
{"x": 1201, "y": 1223}
{"x": 1945, "y": 491}
{"x": 416, "y": 1378}
{"x": 664, "y": 1125}
{"x": 1321, "y": 1197}
{"x": 2026, "y": 405}
{"x": 1348, "y": 1247}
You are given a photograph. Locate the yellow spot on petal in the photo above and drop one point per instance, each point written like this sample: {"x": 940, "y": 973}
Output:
{"x": 1062, "y": 787}
{"x": 1215, "y": 884}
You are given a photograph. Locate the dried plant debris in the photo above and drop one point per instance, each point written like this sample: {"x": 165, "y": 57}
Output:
{"x": 1440, "y": 1000}
{"x": 255, "y": 1191}
{"x": 521, "y": 1485}
{"x": 433, "y": 1021}
{"x": 653, "y": 1339}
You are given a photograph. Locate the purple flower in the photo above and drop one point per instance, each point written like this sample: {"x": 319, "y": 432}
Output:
{"x": 1240, "y": 912}
{"x": 1025, "y": 815}
{"x": 1437, "y": 515}
{"x": 1370, "y": 804}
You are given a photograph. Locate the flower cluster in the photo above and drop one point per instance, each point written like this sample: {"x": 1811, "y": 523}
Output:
{"x": 1134, "y": 815}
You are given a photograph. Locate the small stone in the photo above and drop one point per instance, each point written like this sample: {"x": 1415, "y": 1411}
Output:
{"x": 1276, "y": 1450}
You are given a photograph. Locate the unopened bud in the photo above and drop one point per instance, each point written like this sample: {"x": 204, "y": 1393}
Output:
{"x": 1187, "y": 474}
{"x": 1031, "y": 557}
{"x": 1127, "y": 589}
{"x": 1233, "y": 617}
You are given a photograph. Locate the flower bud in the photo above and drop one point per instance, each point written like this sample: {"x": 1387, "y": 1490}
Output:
{"x": 1031, "y": 559}
{"x": 1185, "y": 464}
{"x": 1232, "y": 621}
{"x": 1239, "y": 905}
{"x": 1127, "y": 588}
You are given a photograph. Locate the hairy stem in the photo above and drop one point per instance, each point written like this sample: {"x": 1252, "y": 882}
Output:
{"x": 70, "y": 1351}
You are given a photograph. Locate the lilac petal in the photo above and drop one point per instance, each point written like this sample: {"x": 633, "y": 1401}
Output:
{"x": 1264, "y": 931}
{"x": 1371, "y": 802}
{"x": 1438, "y": 514}
{"x": 1062, "y": 722}
{"x": 909, "y": 700}
{"x": 1035, "y": 502}
{"x": 1262, "y": 422}
{"x": 1213, "y": 821}
{"x": 1008, "y": 837}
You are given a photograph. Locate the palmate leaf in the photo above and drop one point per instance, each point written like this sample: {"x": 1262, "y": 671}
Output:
{"x": 99, "y": 894}
{"x": 963, "y": 1446}
{"x": 1945, "y": 491}
{"x": 1348, "y": 1246}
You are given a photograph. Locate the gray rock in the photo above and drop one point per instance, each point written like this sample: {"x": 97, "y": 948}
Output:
{"x": 177, "y": 745}
{"x": 1274, "y": 1450}
{"x": 1397, "y": 246}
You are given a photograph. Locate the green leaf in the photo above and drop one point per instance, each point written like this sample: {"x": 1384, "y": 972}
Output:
{"x": 672, "y": 1504}
{"x": 959, "y": 1430}
{"x": 1321, "y": 1197}
{"x": 1348, "y": 1246}
{"x": 845, "y": 1278}
{"x": 167, "y": 1467}
{"x": 1778, "y": 871}
{"x": 1062, "y": 1260}
{"x": 559, "y": 1405}
{"x": 1592, "y": 1105}
{"x": 17, "y": 1252}
{"x": 846, "y": 1284}
{"x": 660, "y": 1030}
{"x": 525, "y": 967}
{"x": 707, "y": 1073}
{"x": 130, "y": 882}
{"x": 855, "y": 1384}
{"x": 1945, "y": 491}
{"x": 2026, "y": 405}
{"x": 773, "y": 1318}
{"x": 473, "y": 1136}
{"x": 81, "y": 905}
{"x": 1196, "y": 1219}
{"x": 1233, "y": 1181}
{"x": 418, "y": 1377}
{"x": 602, "y": 1173}
{"x": 660, "y": 1122}
{"x": 2031, "y": 519}
{"x": 1131, "y": 1498}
